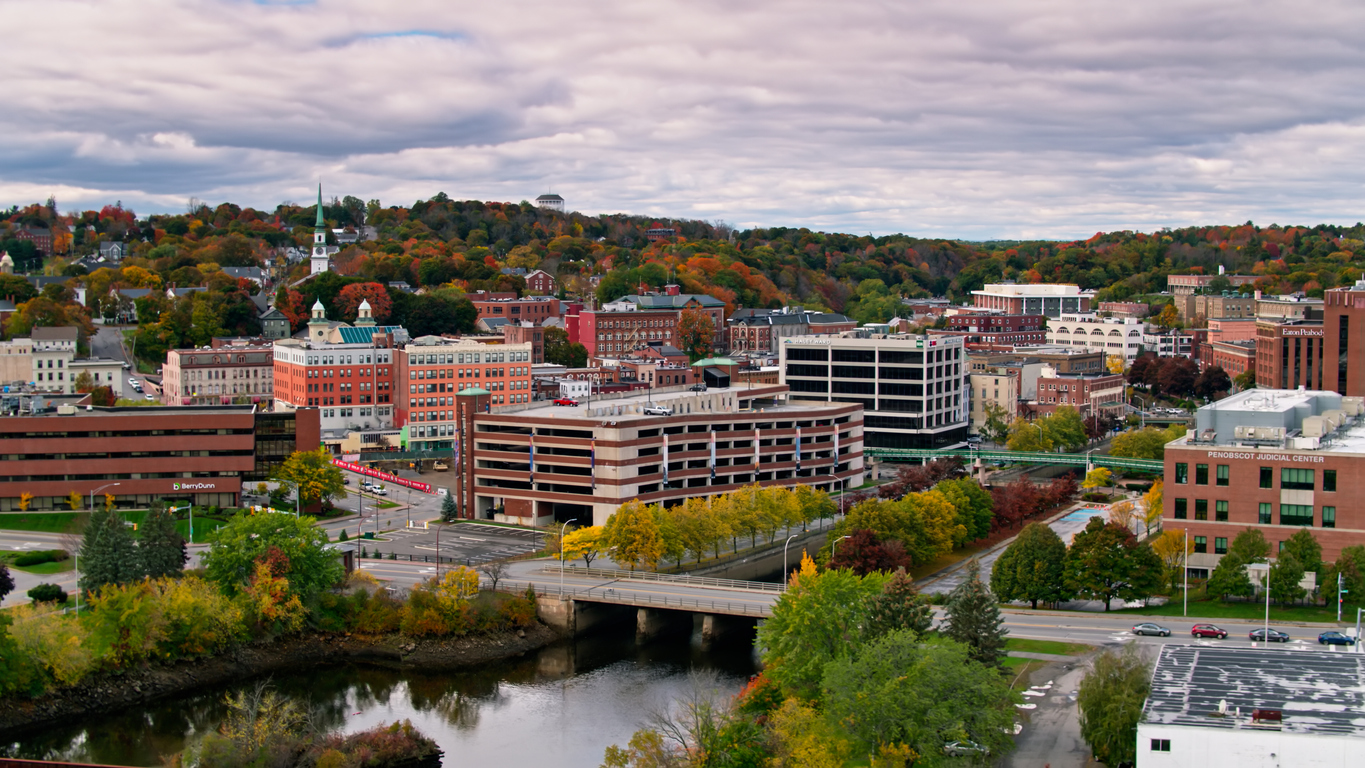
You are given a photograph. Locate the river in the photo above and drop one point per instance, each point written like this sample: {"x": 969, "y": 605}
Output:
{"x": 561, "y": 706}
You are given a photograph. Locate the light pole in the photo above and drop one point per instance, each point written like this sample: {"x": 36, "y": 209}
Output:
{"x": 97, "y": 490}
{"x": 835, "y": 544}
{"x": 563, "y": 528}
{"x": 784, "y": 556}
{"x": 1040, "y": 434}
{"x": 1187, "y": 573}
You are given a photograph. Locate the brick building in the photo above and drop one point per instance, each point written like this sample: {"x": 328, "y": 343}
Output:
{"x": 526, "y": 332}
{"x": 550, "y": 464}
{"x": 760, "y": 331}
{"x": 1344, "y": 339}
{"x": 533, "y": 309}
{"x": 212, "y": 376}
{"x": 1234, "y": 357}
{"x": 1290, "y": 354}
{"x": 1134, "y": 309}
{"x": 1089, "y": 395}
{"x": 41, "y": 238}
{"x": 433, "y": 369}
{"x": 1182, "y": 285}
{"x": 542, "y": 282}
{"x": 346, "y": 372}
{"x": 200, "y": 454}
{"x": 1275, "y": 460}
{"x": 993, "y": 330}
{"x": 606, "y": 333}
{"x": 1066, "y": 360}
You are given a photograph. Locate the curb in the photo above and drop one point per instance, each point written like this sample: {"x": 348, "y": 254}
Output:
{"x": 1138, "y": 618}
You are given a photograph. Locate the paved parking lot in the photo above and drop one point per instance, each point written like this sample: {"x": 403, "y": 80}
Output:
{"x": 470, "y": 543}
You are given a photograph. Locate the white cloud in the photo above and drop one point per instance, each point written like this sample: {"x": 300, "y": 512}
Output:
{"x": 989, "y": 119}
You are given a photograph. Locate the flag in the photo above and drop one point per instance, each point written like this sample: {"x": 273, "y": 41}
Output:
{"x": 834, "y": 468}
{"x": 455, "y": 450}
{"x": 756, "y": 435}
{"x": 665, "y": 459}
{"x": 713, "y": 456}
{"x": 592, "y": 461}
{"x": 532, "y": 466}
{"x": 798, "y": 450}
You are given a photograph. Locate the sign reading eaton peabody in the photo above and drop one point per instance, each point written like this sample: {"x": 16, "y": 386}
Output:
{"x": 193, "y": 486}
{"x": 1267, "y": 456}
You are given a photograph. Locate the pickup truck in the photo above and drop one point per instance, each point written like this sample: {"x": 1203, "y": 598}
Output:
{"x": 440, "y": 466}
{"x": 658, "y": 410}
{"x": 566, "y": 401}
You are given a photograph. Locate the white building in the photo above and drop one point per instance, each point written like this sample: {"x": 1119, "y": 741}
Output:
{"x": 53, "y": 351}
{"x": 1229, "y": 707}
{"x": 1052, "y": 300}
{"x": 551, "y": 202}
{"x": 320, "y": 260}
{"x": 913, "y": 389}
{"x": 1121, "y": 336}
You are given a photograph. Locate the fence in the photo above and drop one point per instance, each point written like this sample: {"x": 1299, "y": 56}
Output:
{"x": 1023, "y": 457}
{"x": 694, "y": 581}
{"x": 641, "y": 600}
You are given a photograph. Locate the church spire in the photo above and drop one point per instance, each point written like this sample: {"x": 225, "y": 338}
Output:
{"x": 320, "y": 223}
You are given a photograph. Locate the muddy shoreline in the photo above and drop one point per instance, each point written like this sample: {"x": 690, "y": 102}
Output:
{"x": 108, "y": 692}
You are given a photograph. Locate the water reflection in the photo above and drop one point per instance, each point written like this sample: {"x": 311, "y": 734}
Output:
{"x": 558, "y": 707}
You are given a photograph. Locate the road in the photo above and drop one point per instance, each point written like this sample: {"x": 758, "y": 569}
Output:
{"x": 108, "y": 343}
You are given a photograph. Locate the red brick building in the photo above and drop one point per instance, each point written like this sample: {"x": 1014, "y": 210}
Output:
{"x": 526, "y": 333}
{"x": 1290, "y": 354}
{"x": 992, "y": 330}
{"x": 1344, "y": 339}
{"x": 1234, "y": 357}
{"x": 542, "y": 282}
{"x": 41, "y": 238}
{"x": 535, "y": 309}
{"x": 200, "y": 454}
{"x": 1099, "y": 395}
{"x": 611, "y": 334}
{"x": 1263, "y": 459}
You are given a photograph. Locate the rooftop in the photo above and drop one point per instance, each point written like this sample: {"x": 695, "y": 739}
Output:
{"x": 1029, "y": 289}
{"x": 1282, "y": 419}
{"x": 1317, "y": 693}
{"x": 684, "y": 401}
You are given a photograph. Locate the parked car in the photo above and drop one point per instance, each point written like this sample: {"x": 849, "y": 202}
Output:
{"x": 127, "y": 367}
{"x": 1276, "y": 636}
{"x": 974, "y": 440}
{"x": 379, "y": 490}
{"x": 1335, "y": 638}
{"x": 1148, "y": 628}
{"x": 440, "y": 466}
{"x": 1208, "y": 630}
{"x": 566, "y": 401}
{"x": 965, "y": 749}
{"x": 698, "y": 387}
{"x": 148, "y": 397}
{"x": 658, "y": 410}
{"x": 133, "y": 382}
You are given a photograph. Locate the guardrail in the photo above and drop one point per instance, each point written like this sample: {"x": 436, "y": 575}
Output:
{"x": 600, "y": 595}
{"x": 694, "y": 581}
{"x": 1025, "y": 457}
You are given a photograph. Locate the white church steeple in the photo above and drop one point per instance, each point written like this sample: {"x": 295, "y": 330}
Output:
{"x": 320, "y": 262}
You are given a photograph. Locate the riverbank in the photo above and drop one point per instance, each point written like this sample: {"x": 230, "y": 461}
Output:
{"x": 111, "y": 692}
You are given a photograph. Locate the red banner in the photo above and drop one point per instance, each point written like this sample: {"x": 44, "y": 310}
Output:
{"x": 386, "y": 476}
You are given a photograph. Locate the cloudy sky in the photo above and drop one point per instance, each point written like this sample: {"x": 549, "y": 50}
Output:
{"x": 983, "y": 119}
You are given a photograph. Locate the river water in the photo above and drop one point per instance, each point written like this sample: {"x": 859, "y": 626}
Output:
{"x": 561, "y": 706}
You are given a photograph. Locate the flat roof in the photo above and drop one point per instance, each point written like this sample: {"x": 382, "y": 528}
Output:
{"x": 1316, "y": 692}
{"x": 149, "y": 410}
{"x": 642, "y": 397}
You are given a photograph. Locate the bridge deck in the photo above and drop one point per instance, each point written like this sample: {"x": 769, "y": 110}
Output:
{"x": 1022, "y": 457}
{"x": 642, "y": 594}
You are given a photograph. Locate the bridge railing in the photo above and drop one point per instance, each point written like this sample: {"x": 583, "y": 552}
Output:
{"x": 607, "y": 595}
{"x": 1024, "y": 457}
{"x": 695, "y": 581}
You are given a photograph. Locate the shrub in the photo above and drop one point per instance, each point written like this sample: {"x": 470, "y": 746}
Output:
{"x": 54, "y": 643}
{"x": 343, "y": 536}
{"x": 41, "y": 556}
{"x": 378, "y": 613}
{"x": 198, "y": 619}
{"x": 47, "y": 593}
{"x": 19, "y": 673}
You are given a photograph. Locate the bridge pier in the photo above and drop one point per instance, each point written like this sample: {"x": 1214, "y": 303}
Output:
{"x": 571, "y": 618}
{"x": 718, "y": 625}
{"x": 652, "y": 622}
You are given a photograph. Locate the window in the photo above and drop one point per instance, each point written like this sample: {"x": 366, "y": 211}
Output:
{"x": 1329, "y": 480}
{"x": 1180, "y": 509}
{"x": 1201, "y": 509}
{"x": 1201, "y": 545}
{"x": 1222, "y": 478}
{"x": 1182, "y": 473}
{"x": 1267, "y": 477}
{"x": 1296, "y": 514}
{"x": 1329, "y": 517}
{"x": 1201, "y": 474}
{"x": 1265, "y": 513}
{"x": 1161, "y": 745}
{"x": 1220, "y": 545}
{"x": 1220, "y": 511}
{"x": 1296, "y": 479}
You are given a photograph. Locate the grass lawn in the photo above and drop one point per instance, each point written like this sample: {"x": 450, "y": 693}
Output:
{"x": 1217, "y": 609}
{"x": 42, "y": 522}
{"x": 956, "y": 556}
{"x": 387, "y": 504}
{"x": 44, "y": 569}
{"x": 1047, "y": 646}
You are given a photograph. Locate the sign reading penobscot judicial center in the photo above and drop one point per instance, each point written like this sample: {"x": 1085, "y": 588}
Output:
{"x": 1305, "y": 459}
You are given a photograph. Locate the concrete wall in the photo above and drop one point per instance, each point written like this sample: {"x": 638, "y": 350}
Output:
{"x": 1196, "y": 747}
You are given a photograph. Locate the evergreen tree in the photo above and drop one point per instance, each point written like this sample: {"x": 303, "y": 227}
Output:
{"x": 973, "y": 618}
{"x": 899, "y": 606}
{"x": 108, "y": 554}
{"x": 1032, "y": 567}
{"x": 162, "y": 548}
{"x": 449, "y": 512}
{"x": 6, "y": 581}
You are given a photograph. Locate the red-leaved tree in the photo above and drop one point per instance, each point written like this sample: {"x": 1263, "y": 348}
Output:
{"x": 863, "y": 552}
{"x": 348, "y": 301}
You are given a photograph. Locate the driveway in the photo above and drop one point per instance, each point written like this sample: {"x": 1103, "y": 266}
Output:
{"x": 1052, "y": 732}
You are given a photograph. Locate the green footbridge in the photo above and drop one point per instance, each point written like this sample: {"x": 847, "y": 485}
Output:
{"x": 1017, "y": 457}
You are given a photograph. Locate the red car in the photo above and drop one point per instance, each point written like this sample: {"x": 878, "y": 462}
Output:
{"x": 566, "y": 401}
{"x": 1208, "y": 630}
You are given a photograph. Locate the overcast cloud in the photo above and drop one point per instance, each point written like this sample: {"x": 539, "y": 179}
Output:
{"x": 1037, "y": 118}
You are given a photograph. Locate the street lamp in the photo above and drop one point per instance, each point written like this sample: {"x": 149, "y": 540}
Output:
{"x": 97, "y": 490}
{"x": 835, "y": 544}
{"x": 784, "y": 556}
{"x": 563, "y": 528}
{"x": 1040, "y": 433}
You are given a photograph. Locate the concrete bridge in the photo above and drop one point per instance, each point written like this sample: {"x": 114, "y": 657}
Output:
{"x": 590, "y": 597}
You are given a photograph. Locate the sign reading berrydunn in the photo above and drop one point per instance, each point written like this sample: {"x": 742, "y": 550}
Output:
{"x": 193, "y": 486}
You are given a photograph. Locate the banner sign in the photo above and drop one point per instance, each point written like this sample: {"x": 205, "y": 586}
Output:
{"x": 385, "y": 476}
